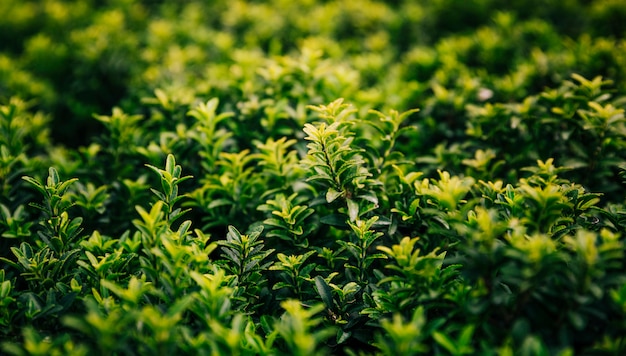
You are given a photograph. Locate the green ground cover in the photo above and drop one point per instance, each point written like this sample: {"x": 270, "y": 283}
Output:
{"x": 306, "y": 177}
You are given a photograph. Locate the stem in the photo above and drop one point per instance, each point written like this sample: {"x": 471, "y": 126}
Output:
{"x": 332, "y": 169}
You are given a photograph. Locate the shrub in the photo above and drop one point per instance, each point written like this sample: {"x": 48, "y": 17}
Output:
{"x": 307, "y": 177}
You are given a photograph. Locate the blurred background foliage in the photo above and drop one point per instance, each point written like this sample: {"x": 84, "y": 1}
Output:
{"x": 83, "y": 57}
{"x": 266, "y": 60}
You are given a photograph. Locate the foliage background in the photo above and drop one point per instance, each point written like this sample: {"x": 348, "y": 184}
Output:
{"x": 273, "y": 217}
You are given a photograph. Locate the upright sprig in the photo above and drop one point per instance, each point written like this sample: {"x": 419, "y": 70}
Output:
{"x": 402, "y": 337}
{"x": 391, "y": 127}
{"x": 279, "y": 161}
{"x": 296, "y": 275}
{"x": 359, "y": 248}
{"x": 244, "y": 255}
{"x": 206, "y": 132}
{"x": 412, "y": 279}
{"x": 170, "y": 179}
{"x": 335, "y": 162}
{"x": 48, "y": 265}
{"x": 58, "y": 229}
{"x": 124, "y": 135}
{"x": 328, "y": 156}
{"x": 232, "y": 191}
{"x": 300, "y": 329}
{"x": 289, "y": 220}
{"x": 155, "y": 225}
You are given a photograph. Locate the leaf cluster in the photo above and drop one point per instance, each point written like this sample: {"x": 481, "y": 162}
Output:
{"x": 255, "y": 177}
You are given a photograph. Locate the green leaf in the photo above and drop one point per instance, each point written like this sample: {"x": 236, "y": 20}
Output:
{"x": 323, "y": 289}
{"x": 5, "y": 289}
{"x": 334, "y": 220}
{"x": 332, "y": 195}
{"x": 446, "y": 342}
{"x": 353, "y": 209}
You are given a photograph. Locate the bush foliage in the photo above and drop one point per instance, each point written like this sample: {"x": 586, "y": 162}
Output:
{"x": 312, "y": 177}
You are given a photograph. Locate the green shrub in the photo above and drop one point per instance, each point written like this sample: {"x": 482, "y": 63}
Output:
{"x": 312, "y": 177}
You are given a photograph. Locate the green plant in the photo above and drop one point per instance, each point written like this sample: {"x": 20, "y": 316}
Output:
{"x": 491, "y": 220}
{"x": 296, "y": 329}
{"x": 337, "y": 165}
{"x": 288, "y": 222}
{"x": 296, "y": 276}
{"x": 244, "y": 255}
